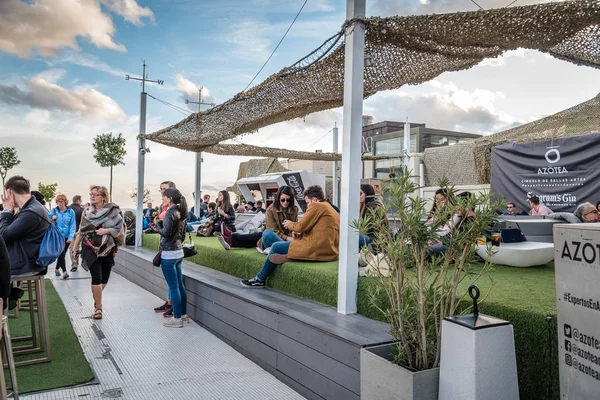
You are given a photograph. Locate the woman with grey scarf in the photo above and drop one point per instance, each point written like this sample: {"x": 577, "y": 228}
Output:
{"x": 101, "y": 230}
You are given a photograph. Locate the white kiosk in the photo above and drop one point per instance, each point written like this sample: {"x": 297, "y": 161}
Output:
{"x": 268, "y": 184}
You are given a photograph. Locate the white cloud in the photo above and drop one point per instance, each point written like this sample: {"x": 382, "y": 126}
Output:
{"x": 130, "y": 10}
{"x": 386, "y": 8}
{"x": 42, "y": 94}
{"x": 189, "y": 91}
{"x": 52, "y": 75}
{"x": 445, "y": 106}
{"x": 249, "y": 41}
{"x": 501, "y": 60}
{"x": 89, "y": 61}
{"x": 254, "y": 40}
{"x": 49, "y": 25}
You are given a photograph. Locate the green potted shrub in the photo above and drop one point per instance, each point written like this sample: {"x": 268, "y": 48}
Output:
{"x": 420, "y": 290}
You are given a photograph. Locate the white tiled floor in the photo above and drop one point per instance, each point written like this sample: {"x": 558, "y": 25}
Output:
{"x": 134, "y": 357}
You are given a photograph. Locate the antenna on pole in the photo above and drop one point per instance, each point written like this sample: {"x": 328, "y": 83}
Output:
{"x": 142, "y": 150}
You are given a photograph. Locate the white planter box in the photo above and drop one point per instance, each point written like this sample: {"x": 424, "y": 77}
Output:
{"x": 381, "y": 379}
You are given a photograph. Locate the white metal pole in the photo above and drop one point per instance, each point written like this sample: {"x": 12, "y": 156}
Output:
{"x": 197, "y": 184}
{"x": 197, "y": 188}
{"x": 351, "y": 146}
{"x": 139, "y": 214}
{"x": 335, "y": 183}
{"x": 406, "y": 158}
{"x": 141, "y": 155}
{"x": 421, "y": 178}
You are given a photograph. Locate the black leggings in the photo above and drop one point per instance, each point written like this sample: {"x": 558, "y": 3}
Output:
{"x": 100, "y": 270}
{"x": 60, "y": 262}
{"x": 247, "y": 240}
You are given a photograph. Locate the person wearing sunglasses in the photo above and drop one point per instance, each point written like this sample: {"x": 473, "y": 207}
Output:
{"x": 283, "y": 208}
{"x": 511, "y": 209}
{"x": 319, "y": 237}
{"x": 585, "y": 212}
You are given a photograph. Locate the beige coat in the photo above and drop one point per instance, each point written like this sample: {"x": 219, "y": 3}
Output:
{"x": 320, "y": 239}
{"x": 274, "y": 221}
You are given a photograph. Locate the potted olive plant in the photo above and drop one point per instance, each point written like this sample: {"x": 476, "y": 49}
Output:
{"x": 421, "y": 289}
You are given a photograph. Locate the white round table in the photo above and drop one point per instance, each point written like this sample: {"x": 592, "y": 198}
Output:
{"x": 521, "y": 254}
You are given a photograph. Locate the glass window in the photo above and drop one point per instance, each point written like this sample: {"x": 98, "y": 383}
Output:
{"x": 394, "y": 146}
{"x": 383, "y": 168}
{"x": 438, "y": 140}
{"x": 389, "y": 146}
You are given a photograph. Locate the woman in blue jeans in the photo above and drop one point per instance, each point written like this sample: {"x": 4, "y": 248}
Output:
{"x": 172, "y": 233}
{"x": 283, "y": 208}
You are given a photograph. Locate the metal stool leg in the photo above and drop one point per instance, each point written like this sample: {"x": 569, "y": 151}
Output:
{"x": 3, "y": 394}
{"x": 36, "y": 284}
{"x": 7, "y": 350}
{"x": 42, "y": 307}
{"x": 33, "y": 347}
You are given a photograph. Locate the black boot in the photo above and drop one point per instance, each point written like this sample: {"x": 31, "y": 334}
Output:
{"x": 15, "y": 294}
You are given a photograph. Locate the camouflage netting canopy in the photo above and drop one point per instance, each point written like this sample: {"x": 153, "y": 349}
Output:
{"x": 402, "y": 50}
{"x": 469, "y": 163}
{"x": 257, "y": 151}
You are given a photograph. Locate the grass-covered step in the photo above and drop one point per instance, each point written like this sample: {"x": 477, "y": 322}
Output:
{"x": 523, "y": 296}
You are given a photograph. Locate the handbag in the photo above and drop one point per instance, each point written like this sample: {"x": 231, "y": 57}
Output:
{"x": 156, "y": 260}
{"x": 52, "y": 246}
{"x": 512, "y": 235}
{"x": 189, "y": 248}
{"x": 205, "y": 230}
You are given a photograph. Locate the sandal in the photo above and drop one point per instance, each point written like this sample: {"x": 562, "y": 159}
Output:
{"x": 97, "y": 314}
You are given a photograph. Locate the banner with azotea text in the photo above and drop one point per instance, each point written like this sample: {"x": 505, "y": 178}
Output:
{"x": 562, "y": 172}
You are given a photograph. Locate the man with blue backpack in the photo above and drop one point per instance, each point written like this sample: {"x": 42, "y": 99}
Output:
{"x": 23, "y": 231}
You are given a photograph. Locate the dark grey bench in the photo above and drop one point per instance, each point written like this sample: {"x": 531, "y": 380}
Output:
{"x": 305, "y": 344}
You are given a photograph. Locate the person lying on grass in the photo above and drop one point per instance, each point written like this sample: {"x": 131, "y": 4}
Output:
{"x": 316, "y": 237}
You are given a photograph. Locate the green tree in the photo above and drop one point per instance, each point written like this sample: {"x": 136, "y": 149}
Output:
{"x": 110, "y": 151}
{"x": 49, "y": 191}
{"x": 147, "y": 197}
{"x": 8, "y": 160}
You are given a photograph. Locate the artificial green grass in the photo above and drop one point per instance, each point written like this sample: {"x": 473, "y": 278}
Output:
{"x": 523, "y": 296}
{"x": 68, "y": 366}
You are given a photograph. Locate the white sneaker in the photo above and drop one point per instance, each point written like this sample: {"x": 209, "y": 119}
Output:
{"x": 267, "y": 250}
{"x": 173, "y": 323}
{"x": 259, "y": 250}
{"x": 185, "y": 318}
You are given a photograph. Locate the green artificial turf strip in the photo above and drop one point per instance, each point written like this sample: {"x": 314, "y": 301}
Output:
{"x": 312, "y": 280}
{"x": 68, "y": 366}
{"x": 523, "y": 296}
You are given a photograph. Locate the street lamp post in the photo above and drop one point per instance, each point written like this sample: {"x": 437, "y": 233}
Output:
{"x": 142, "y": 150}
{"x": 197, "y": 181}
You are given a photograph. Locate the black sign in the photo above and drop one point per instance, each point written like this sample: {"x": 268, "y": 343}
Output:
{"x": 562, "y": 172}
{"x": 294, "y": 181}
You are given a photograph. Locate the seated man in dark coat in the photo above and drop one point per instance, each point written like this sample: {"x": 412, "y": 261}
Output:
{"x": 23, "y": 231}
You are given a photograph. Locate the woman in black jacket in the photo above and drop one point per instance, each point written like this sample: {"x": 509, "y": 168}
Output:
{"x": 225, "y": 212}
{"x": 172, "y": 232}
{"x": 369, "y": 207}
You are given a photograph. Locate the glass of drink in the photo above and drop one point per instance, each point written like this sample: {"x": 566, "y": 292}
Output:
{"x": 496, "y": 238}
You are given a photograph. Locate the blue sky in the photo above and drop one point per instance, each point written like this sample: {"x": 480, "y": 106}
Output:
{"x": 62, "y": 81}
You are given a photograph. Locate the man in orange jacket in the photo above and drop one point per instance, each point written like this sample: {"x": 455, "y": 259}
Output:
{"x": 316, "y": 237}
